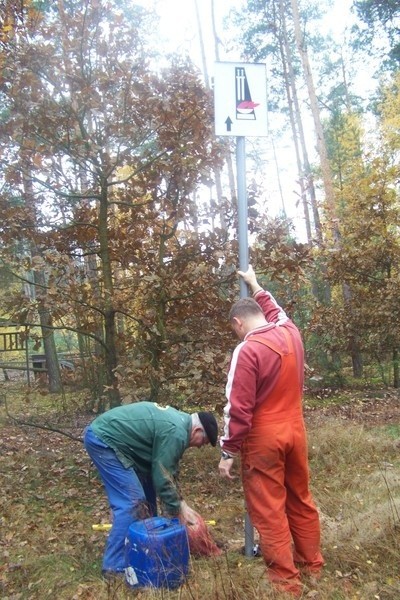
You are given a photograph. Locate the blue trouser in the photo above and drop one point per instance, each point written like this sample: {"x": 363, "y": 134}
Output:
{"x": 126, "y": 493}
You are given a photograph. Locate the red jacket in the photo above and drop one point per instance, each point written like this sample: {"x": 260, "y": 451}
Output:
{"x": 254, "y": 370}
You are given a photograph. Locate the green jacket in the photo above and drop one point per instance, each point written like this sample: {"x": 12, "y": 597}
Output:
{"x": 151, "y": 439}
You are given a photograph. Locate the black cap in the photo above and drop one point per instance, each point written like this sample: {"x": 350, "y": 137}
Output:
{"x": 210, "y": 426}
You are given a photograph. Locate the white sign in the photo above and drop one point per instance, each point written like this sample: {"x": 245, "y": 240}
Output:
{"x": 240, "y": 99}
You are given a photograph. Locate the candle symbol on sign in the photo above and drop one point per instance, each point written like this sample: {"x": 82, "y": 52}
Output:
{"x": 244, "y": 104}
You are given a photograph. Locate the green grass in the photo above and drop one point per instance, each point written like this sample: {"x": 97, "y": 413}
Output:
{"x": 393, "y": 430}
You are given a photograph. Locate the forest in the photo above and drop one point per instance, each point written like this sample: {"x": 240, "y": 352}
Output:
{"x": 109, "y": 246}
{"x": 119, "y": 223}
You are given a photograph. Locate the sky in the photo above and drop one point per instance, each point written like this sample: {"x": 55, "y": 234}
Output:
{"x": 178, "y": 24}
{"x": 179, "y": 33}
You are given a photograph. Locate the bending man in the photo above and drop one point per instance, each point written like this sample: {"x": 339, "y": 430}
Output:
{"x": 136, "y": 449}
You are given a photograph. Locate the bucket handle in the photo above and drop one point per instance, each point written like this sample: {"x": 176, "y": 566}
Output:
{"x": 164, "y": 525}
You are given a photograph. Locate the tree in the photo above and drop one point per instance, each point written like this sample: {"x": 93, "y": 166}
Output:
{"x": 379, "y": 16}
{"x": 267, "y": 32}
{"x": 113, "y": 151}
{"x": 367, "y": 260}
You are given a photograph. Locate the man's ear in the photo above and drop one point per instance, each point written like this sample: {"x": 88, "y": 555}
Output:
{"x": 194, "y": 430}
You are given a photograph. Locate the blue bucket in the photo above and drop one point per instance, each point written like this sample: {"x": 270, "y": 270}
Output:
{"x": 157, "y": 553}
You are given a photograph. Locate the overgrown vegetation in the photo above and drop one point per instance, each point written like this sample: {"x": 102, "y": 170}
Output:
{"x": 51, "y": 497}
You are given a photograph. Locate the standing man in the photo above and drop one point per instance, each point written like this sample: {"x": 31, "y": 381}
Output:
{"x": 136, "y": 449}
{"x": 264, "y": 423}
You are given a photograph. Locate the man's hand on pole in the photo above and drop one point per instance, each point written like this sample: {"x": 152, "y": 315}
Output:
{"x": 250, "y": 278}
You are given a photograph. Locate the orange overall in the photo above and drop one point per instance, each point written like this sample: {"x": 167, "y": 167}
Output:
{"x": 276, "y": 479}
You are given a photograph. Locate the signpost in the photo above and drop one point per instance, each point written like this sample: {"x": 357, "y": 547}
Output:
{"x": 240, "y": 106}
{"x": 240, "y": 99}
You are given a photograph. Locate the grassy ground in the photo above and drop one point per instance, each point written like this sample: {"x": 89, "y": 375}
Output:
{"x": 51, "y": 497}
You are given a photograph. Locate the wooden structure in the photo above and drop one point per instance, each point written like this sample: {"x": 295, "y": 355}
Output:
{"x": 14, "y": 341}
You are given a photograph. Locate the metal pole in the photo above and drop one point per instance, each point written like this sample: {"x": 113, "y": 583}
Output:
{"x": 243, "y": 266}
{"x": 242, "y": 211}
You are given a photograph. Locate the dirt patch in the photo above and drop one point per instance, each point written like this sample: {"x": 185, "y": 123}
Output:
{"x": 364, "y": 408}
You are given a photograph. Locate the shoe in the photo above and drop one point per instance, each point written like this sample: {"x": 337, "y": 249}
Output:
{"x": 255, "y": 551}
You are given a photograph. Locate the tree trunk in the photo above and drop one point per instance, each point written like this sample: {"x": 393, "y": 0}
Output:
{"x": 396, "y": 368}
{"x": 321, "y": 146}
{"x": 294, "y": 112}
{"x": 356, "y": 359}
{"x": 220, "y": 210}
{"x": 45, "y": 318}
{"x": 94, "y": 375}
{"x": 110, "y": 338}
{"x": 49, "y": 344}
{"x": 354, "y": 344}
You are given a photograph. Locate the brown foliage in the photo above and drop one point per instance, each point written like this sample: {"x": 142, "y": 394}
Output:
{"x": 113, "y": 151}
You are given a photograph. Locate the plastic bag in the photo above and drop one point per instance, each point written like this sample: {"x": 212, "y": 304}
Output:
{"x": 201, "y": 542}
